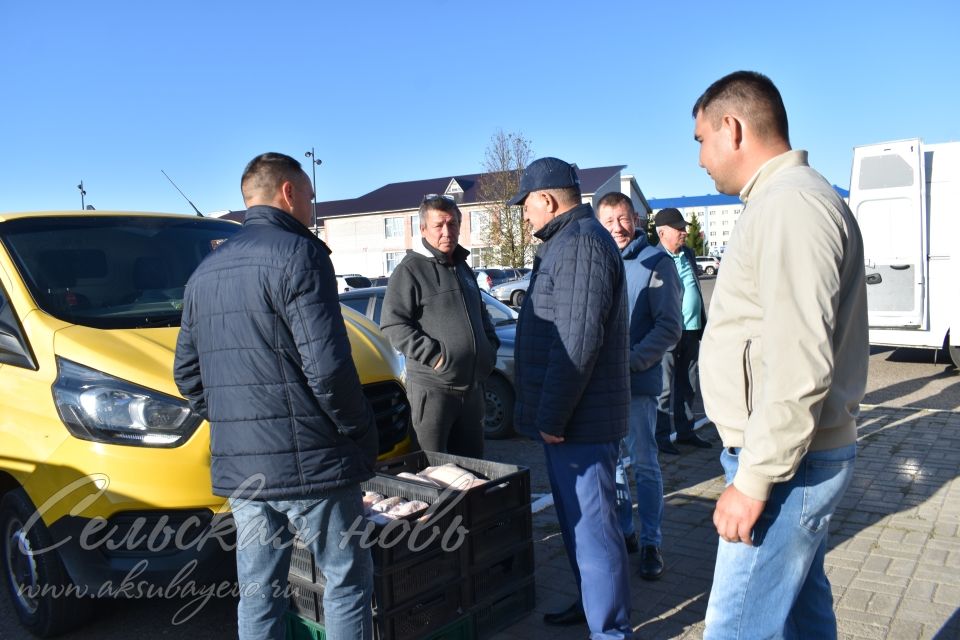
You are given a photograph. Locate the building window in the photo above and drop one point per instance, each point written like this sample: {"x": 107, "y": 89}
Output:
{"x": 726, "y": 233}
{"x": 391, "y": 260}
{"x": 479, "y": 222}
{"x": 415, "y": 226}
{"x": 713, "y": 233}
{"x": 482, "y": 257}
{"x": 393, "y": 227}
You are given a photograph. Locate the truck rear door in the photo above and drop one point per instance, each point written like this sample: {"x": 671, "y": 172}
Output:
{"x": 887, "y": 196}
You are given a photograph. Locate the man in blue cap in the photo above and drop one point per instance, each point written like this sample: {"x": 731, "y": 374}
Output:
{"x": 573, "y": 386}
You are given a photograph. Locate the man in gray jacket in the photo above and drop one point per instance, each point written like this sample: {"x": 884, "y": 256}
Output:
{"x": 434, "y": 315}
{"x": 783, "y": 366}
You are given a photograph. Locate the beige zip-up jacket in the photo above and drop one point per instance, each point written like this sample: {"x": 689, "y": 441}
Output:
{"x": 783, "y": 361}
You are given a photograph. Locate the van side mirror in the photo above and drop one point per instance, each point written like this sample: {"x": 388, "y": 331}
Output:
{"x": 12, "y": 352}
{"x": 874, "y": 278}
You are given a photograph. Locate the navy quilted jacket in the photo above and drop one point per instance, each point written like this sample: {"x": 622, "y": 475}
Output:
{"x": 572, "y": 373}
{"x": 263, "y": 354}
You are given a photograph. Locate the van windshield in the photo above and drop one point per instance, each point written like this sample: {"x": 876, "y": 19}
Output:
{"x": 111, "y": 272}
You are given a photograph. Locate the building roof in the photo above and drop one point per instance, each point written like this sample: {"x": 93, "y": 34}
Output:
{"x": 400, "y": 196}
{"x": 711, "y": 200}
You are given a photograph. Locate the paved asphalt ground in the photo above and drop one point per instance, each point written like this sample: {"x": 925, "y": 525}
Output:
{"x": 894, "y": 545}
{"x": 894, "y": 558}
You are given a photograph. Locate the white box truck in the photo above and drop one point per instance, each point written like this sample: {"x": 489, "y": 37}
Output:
{"x": 906, "y": 198}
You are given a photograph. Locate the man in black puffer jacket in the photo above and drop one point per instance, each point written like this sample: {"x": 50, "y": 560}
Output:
{"x": 573, "y": 386}
{"x": 434, "y": 314}
{"x": 263, "y": 355}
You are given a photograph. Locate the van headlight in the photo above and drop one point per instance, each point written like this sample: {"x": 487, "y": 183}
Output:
{"x": 101, "y": 408}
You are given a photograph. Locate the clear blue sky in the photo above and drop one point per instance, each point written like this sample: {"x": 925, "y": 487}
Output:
{"x": 111, "y": 92}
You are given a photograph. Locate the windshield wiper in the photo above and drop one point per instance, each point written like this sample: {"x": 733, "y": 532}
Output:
{"x": 160, "y": 321}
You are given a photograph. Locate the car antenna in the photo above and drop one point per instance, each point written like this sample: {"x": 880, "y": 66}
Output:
{"x": 181, "y": 193}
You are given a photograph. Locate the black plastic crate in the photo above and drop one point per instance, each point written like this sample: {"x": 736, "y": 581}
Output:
{"x": 500, "y": 576}
{"x": 396, "y": 587}
{"x": 423, "y": 617}
{"x": 301, "y": 562}
{"x": 509, "y": 485}
{"x": 487, "y": 541}
{"x": 418, "y": 618}
{"x": 414, "y": 535}
{"x": 306, "y": 599}
{"x": 393, "y": 587}
{"x": 499, "y": 612}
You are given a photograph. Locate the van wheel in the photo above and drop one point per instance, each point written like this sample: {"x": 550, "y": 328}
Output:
{"x": 39, "y": 587}
{"x": 954, "y": 355}
{"x": 498, "y": 408}
{"x": 516, "y": 298}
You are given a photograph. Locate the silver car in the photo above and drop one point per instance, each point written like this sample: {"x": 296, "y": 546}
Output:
{"x": 512, "y": 292}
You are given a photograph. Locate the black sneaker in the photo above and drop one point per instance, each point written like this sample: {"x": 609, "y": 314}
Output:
{"x": 695, "y": 441}
{"x": 668, "y": 447}
{"x": 651, "y": 563}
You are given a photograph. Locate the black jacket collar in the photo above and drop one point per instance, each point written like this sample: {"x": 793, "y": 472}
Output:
{"x": 263, "y": 214}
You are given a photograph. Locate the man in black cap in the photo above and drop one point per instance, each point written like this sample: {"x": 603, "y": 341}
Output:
{"x": 675, "y": 405}
{"x": 573, "y": 386}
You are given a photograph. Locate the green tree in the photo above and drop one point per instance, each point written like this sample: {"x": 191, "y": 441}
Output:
{"x": 695, "y": 236}
{"x": 507, "y": 233}
{"x": 652, "y": 236}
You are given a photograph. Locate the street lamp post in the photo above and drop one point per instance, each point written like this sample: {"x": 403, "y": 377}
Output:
{"x": 82, "y": 194}
{"x": 314, "y": 161}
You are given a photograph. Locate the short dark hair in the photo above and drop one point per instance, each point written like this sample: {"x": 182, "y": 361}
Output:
{"x": 439, "y": 203}
{"x": 615, "y": 198}
{"x": 267, "y": 172}
{"x": 750, "y": 95}
{"x": 566, "y": 195}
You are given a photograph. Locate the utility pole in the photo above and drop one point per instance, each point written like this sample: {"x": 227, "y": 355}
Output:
{"x": 82, "y": 194}
{"x": 314, "y": 161}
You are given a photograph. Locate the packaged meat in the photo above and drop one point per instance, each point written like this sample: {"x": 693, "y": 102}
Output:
{"x": 387, "y": 503}
{"x": 450, "y": 475}
{"x": 407, "y": 508}
{"x": 370, "y": 498}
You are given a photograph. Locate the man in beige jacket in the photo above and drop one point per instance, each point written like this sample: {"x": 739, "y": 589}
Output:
{"x": 783, "y": 366}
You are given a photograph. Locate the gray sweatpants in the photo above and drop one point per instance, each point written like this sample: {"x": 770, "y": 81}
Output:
{"x": 448, "y": 420}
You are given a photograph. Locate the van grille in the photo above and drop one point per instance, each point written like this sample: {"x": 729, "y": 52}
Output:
{"x": 392, "y": 412}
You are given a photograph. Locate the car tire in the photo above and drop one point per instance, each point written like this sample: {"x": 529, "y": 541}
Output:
{"x": 498, "y": 408}
{"x": 516, "y": 298}
{"x": 57, "y": 607}
{"x": 710, "y": 271}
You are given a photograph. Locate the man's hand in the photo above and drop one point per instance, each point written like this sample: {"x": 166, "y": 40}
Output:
{"x": 549, "y": 438}
{"x": 439, "y": 364}
{"x": 736, "y": 514}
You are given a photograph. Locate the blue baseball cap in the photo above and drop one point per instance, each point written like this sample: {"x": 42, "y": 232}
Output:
{"x": 545, "y": 173}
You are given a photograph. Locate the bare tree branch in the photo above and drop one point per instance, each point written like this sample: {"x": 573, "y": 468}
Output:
{"x": 507, "y": 233}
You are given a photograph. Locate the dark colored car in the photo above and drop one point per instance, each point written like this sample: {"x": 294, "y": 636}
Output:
{"x": 498, "y": 391}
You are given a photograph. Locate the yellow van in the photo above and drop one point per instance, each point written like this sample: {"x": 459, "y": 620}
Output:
{"x": 104, "y": 469}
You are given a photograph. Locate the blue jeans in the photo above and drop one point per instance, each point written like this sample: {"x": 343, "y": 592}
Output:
{"x": 265, "y": 529}
{"x": 581, "y": 477}
{"x": 641, "y": 444}
{"x": 777, "y": 588}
